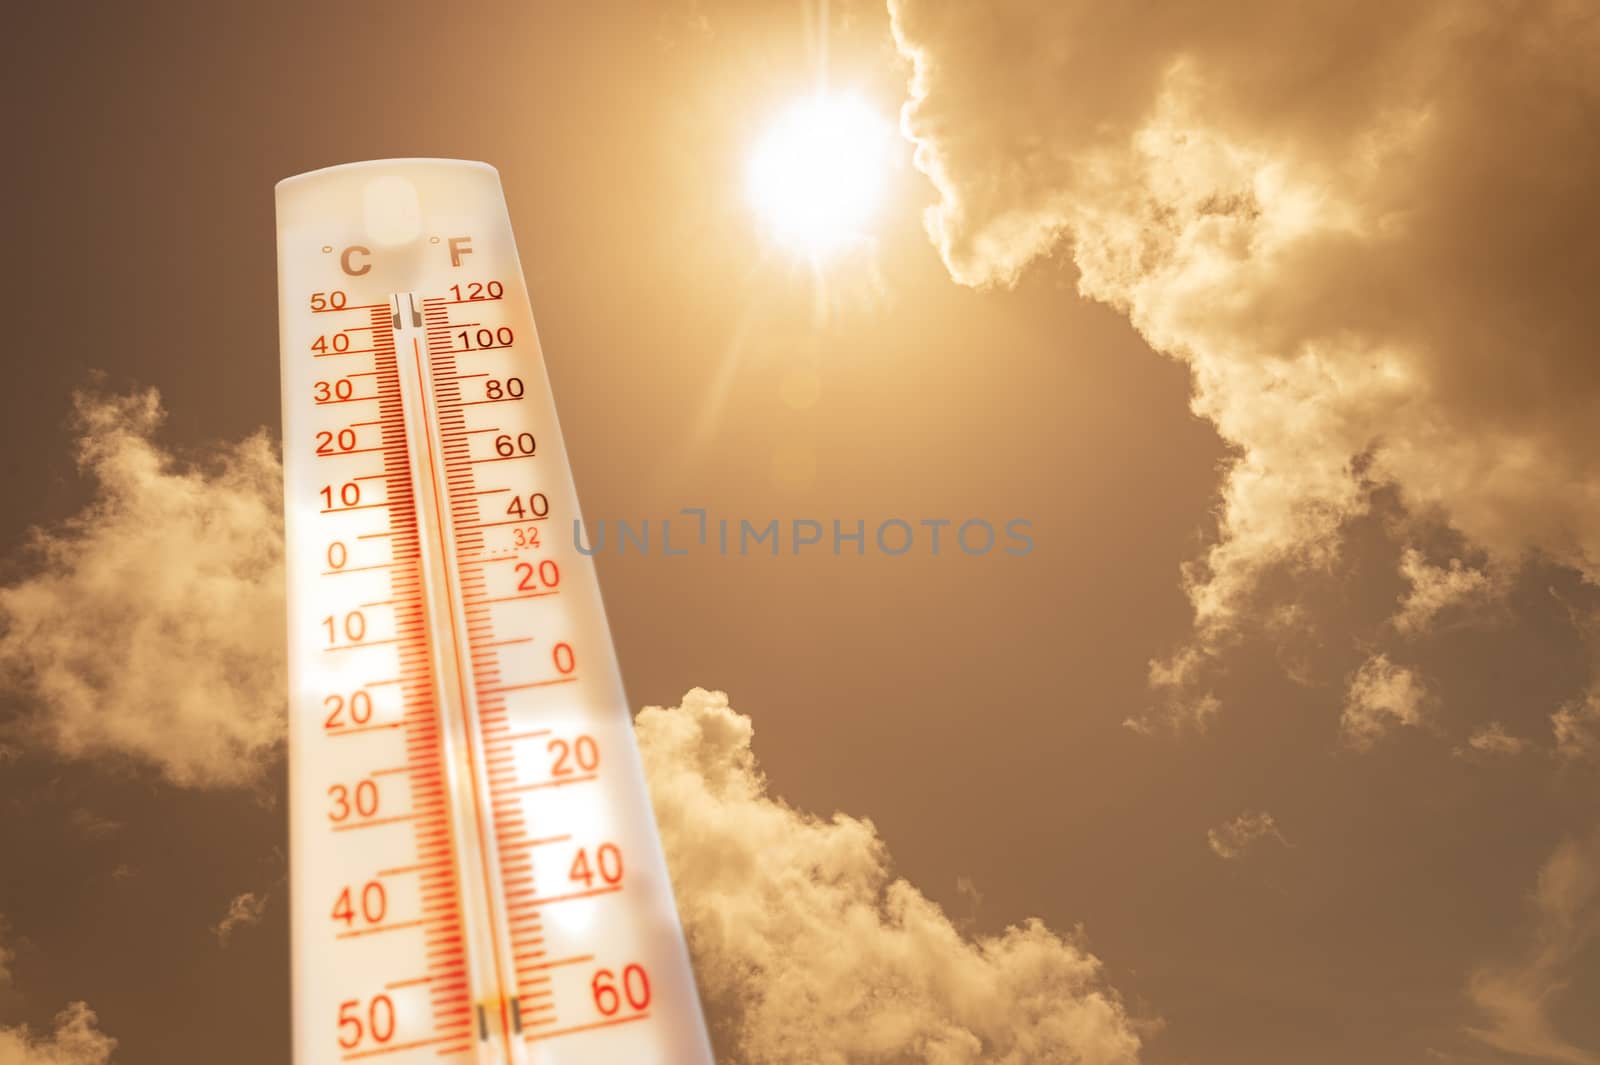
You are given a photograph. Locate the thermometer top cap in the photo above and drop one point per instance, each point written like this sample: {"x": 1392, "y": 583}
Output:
{"x": 394, "y": 198}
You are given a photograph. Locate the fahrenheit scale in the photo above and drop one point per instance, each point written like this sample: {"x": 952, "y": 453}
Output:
{"x": 476, "y": 875}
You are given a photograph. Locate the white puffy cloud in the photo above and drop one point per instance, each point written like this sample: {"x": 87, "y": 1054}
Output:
{"x": 245, "y": 909}
{"x": 1360, "y": 224}
{"x": 152, "y": 623}
{"x": 1233, "y": 838}
{"x": 1182, "y": 707}
{"x": 1493, "y": 740}
{"x": 1380, "y": 697}
{"x": 1436, "y": 589}
{"x": 74, "y": 1040}
{"x": 1517, "y": 998}
{"x": 809, "y": 951}
{"x": 1577, "y": 727}
{"x": 151, "y": 629}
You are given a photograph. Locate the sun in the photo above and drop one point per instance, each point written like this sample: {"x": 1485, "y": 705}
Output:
{"x": 817, "y": 175}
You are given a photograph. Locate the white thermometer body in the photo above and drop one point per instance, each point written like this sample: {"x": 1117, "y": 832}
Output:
{"x": 475, "y": 872}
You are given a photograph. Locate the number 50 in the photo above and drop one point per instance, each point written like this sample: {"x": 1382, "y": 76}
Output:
{"x": 379, "y": 1023}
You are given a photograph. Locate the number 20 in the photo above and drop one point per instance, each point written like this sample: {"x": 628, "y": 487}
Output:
{"x": 582, "y": 752}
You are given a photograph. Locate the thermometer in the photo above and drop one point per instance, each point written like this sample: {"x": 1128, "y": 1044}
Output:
{"x": 475, "y": 873}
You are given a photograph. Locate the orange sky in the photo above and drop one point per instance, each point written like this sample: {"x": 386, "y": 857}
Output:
{"x": 1301, "y": 304}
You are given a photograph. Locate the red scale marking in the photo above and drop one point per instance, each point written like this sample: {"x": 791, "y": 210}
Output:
{"x": 445, "y": 953}
{"x": 462, "y": 484}
{"x": 432, "y": 834}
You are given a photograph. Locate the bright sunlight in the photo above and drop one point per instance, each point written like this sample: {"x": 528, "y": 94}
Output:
{"x": 818, "y": 173}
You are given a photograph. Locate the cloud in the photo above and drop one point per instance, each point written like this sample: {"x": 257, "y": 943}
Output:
{"x": 1577, "y": 727}
{"x": 1517, "y": 998}
{"x": 1361, "y": 225}
{"x": 245, "y": 909}
{"x": 1493, "y": 740}
{"x": 1381, "y": 696}
{"x": 808, "y": 950}
{"x": 152, "y": 623}
{"x": 151, "y": 629}
{"x": 1182, "y": 707}
{"x": 75, "y": 1040}
{"x": 1232, "y": 839}
{"x": 1436, "y": 589}
{"x": 92, "y": 826}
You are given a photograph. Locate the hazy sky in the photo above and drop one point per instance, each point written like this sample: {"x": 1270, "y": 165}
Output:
{"x": 1277, "y": 323}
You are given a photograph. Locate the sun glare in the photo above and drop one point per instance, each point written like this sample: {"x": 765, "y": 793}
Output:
{"x": 817, "y": 174}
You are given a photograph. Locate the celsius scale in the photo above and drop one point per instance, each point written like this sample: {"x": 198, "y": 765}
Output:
{"x": 475, "y": 872}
